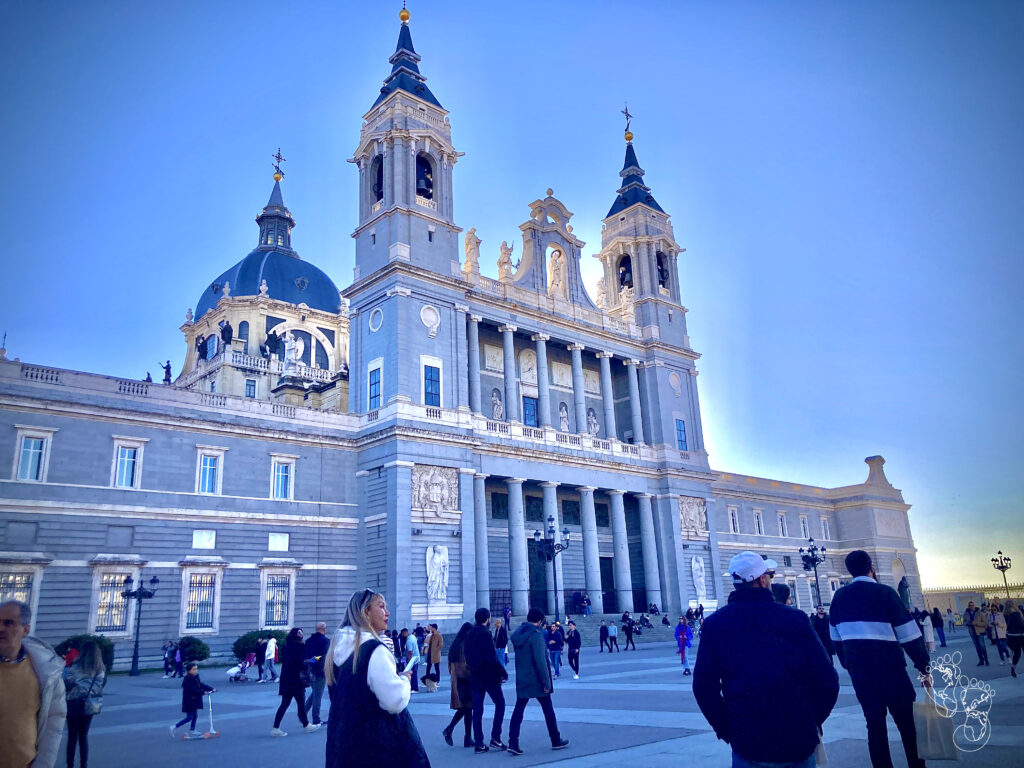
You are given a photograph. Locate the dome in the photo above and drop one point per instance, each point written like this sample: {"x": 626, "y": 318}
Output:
{"x": 288, "y": 277}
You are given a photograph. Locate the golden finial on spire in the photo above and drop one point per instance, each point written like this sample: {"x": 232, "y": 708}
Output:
{"x": 278, "y": 159}
{"x": 629, "y": 133}
{"x": 404, "y": 14}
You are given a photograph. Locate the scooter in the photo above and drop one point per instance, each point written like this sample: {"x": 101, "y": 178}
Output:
{"x": 212, "y": 733}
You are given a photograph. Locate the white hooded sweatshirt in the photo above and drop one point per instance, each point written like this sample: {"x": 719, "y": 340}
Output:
{"x": 391, "y": 689}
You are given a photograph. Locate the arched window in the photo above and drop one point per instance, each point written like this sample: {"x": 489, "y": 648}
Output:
{"x": 243, "y": 335}
{"x": 280, "y": 239}
{"x": 625, "y": 272}
{"x": 270, "y": 238}
{"x": 377, "y": 176}
{"x": 662, "y": 270}
{"x": 322, "y": 361}
{"x": 424, "y": 177}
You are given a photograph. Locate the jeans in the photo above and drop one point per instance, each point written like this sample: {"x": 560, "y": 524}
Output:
{"x": 286, "y": 699}
{"x": 897, "y": 698}
{"x": 979, "y": 646}
{"x": 588, "y": 611}
{"x": 503, "y": 658}
{"x": 1004, "y": 651}
{"x": 494, "y": 691}
{"x": 189, "y": 716}
{"x": 78, "y": 734}
{"x": 413, "y": 680}
{"x": 271, "y": 670}
{"x": 556, "y": 662}
{"x": 613, "y": 640}
{"x": 517, "y": 720}
{"x": 316, "y": 693}
{"x": 942, "y": 636}
{"x": 738, "y": 761}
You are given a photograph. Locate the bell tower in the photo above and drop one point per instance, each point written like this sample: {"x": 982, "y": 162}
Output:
{"x": 405, "y": 159}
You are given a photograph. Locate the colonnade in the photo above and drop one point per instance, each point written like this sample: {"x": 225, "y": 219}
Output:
{"x": 513, "y": 403}
{"x": 518, "y": 553}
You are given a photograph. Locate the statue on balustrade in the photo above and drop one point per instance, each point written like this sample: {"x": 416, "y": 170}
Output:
{"x": 602, "y": 294}
{"x": 497, "y": 407}
{"x": 592, "y": 426}
{"x": 563, "y": 417}
{"x": 556, "y": 266}
{"x": 167, "y": 371}
{"x": 472, "y": 248}
{"x": 264, "y": 288}
{"x": 226, "y": 332}
{"x": 505, "y": 261}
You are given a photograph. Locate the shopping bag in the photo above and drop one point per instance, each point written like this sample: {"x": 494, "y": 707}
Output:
{"x": 934, "y": 732}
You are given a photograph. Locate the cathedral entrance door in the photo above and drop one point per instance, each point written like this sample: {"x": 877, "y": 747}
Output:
{"x": 538, "y": 577}
{"x": 608, "y": 601}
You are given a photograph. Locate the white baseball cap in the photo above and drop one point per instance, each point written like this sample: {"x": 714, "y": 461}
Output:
{"x": 747, "y": 566}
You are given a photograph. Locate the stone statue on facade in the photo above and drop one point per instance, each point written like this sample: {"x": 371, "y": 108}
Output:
{"x": 592, "y": 426}
{"x": 699, "y": 581}
{"x": 693, "y": 514}
{"x": 626, "y": 297}
{"x": 437, "y": 573}
{"x": 294, "y": 346}
{"x": 556, "y": 268}
{"x": 226, "y": 333}
{"x": 226, "y": 290}
{"x": 563, "y": 417}
{"x": 472, "y": 265}
{"x": 497, "y": 407}
{"x": 264, "y": 288}
{"x": 505, "y": 261}
{"x": 188, "y": 315}
{"x": 602, "y": 295}
{"x": 167, "y": 371}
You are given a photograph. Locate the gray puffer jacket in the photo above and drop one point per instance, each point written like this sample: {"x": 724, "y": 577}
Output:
{"x": 52, "y": 704}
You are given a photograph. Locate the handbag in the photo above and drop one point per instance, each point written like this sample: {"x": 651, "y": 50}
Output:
{"x": 305, "y": 676}
{"x": 934, "y": 732}
{"x": 86, "y": 705}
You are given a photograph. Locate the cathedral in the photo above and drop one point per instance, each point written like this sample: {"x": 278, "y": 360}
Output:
{"x": 421, "y": 431}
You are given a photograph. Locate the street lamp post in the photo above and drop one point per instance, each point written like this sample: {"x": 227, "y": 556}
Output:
{"x": 813, "y": 556}
{"x": 550, "y": 548}
{"x": 1002, "y": 564}
{"x": 140, "y": 594}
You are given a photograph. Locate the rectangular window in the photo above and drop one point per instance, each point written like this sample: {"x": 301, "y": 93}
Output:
{"x": 111, "y": 606}
{"x": 530, "y": 411}
{"x": 30, "y": 464}
{"x": 278, "y": 542}
{"x": 127, "y": 458}
{"x": 16, "y": 586}
{"x": 824, "y": 529}
{"x": 208, "y": 474}
{"x": 794, "y": 593}
{"x": 805, "y": 529}
{"x": 204, "y": 539}
{"x": 373, "y": 398}
{"x": 432, "y": 386}
{"x": 202, "y": 589}
{"x": 534, "y": 509}
{"x": 833, "y": 585}
{"x": 783, "y": 531}
{"x": 787, "y": 560}
{"x": 570, "y": 512}
{"x": 282, "y": 482}
{"x": 758, "y": 522}
{"x": 603, "y": 514}
{"x": 250, "y": 387}
{"x": 681, "y": 435}
{"x": 277, "y": 598}
{"x": 499, "y": 506}
{"x": 213, "y": 386}
{"x": 734, "y": 520}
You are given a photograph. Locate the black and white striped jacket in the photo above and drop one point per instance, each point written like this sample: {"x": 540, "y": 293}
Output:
{"x": 871, "y": 628}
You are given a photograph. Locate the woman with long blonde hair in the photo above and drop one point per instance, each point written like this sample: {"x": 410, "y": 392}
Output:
{"x": 83, "y": 681}
{"x": 369, "y": 725}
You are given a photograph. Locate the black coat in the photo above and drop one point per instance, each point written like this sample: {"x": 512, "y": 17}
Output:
{"x": 501, "y": 638}
{"x": 317, "y": 645}
{"x": 821, "y": 628}
{"x": 192, "y": 690}
{"x": 261, "y": 653}
{"x": 293, "y": 657}
{"x": 763, "y": 679}
{"x": 484, "y": 668}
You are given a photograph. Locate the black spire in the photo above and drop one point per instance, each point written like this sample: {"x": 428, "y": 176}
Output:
{"x": 405, "y": 72}
{"x": 276, "y": 220}
{"x": 632, "y": 190}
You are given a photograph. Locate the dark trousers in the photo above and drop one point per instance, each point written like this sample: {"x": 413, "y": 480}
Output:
{"x": 436, "y": 669}
{"x": 316, "y": 694}
{"x": 604, "y": 641}
{"x": 574, "y": 659}
{"x": 466, "y": 715}
{"x": 259, "y": 670}
{"x": 517, "y": 720}
{"x": 942, "y": 636}
{"x": 179, "y": 669}
{"x": 613, "y": 641}
{"x": 286, "y": 699}
{"x": 979, "y": 646}
{"x": 190, "y": 717}
{"x": 897, "y": 698}
{"x": 1016, "y": 643}
{"x": 498, "y": 698}
{"x": 78, "y": 734}
{"x": 629, "y": 641}
{"x": 168, "y": 666}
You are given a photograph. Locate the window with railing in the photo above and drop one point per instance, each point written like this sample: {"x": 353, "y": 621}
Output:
{"x": 373, "y": 400}
{"x": 16, "y": 586}
{"x": 277, "y": 599}
{"x": 202, "y": 588}
{"x": 111, "y": 606}
{"x": 530, "y": 411}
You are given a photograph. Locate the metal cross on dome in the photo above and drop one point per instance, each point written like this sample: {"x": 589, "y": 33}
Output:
{"x": 627, "y": 115}
{"x": 278, "y": 159}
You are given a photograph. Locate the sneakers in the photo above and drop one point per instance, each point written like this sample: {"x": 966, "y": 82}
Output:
{"x": 513, "y": 749}
{"x": 560, "y": 744}
{"x": 1013, "y": 670}
{"x": 261, "y": 680}
{"x": 498, "y": 745}
{"x": 575, "y": 676}
{"x": 448, "y": 737}
{"x": 172, "y": 729}
{"x": 194, "y": 735}
{"x": 277, "y": 732}
{"x": 686, "y": 671}
{"x": 166, "y": 676}
{"x": 481, "y": 749}
{"x": 311, "y": 728}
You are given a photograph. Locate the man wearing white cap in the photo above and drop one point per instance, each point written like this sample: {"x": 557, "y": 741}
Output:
{"x": 762, "y": 678}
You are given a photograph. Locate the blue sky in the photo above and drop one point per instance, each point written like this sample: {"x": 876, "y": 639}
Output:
{"x": 845, "y": 179}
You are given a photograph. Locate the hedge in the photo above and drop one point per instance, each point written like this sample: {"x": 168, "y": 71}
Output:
{"x": 76, "y": 641}
{"x": 246, "y": 644}
{"x": 193, "y": 649}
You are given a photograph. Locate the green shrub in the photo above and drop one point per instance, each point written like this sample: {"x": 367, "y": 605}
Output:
{"x": 246, "y": 644}
{"x": 76, "y": 641}
{"x": 193, "y": 649}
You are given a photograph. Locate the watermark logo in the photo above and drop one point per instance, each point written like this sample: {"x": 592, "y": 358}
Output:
{"x": 966, "y": 701}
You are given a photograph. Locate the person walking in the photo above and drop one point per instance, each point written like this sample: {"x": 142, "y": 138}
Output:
{"x": 411, "y": 650}
{"x": 684, "y": 639}
{"x": 603, "y": 637}
{"x": 192, "y": 691}
{"x": 84, "y": 681}
{"x": 762, "y": 678}
{"x": 486, "y": 676}
{"x": 924, "y": 623}
{"x": 627, "y": 630}
{"x": 168, "y": 659}
{"x": 556, "y": 642}
{"x": 462, "y": 691}
{"x": 613, "y": 637}
{"x": 271, "y": 657}
{"x": 936, "y": 619}
{"x": 291, "y": 687}
{"x": 872, "y": 628}
{"x": 998, "y": 623}
{"x": 369, "y": 725}
{"x": 316, "y": 652}
{"x": 1014, "y": 633}
{"x": 951, "y": 620}
{"x": 501, "y": 642}
{"x": 977, "y": 627}
{"x": 573, "y": 642}
{"x": 533, "y": 681}
{"x": 434, "y": 644}
{"x": 179, "y": 662}
{"x": 261, "y": 657}
{"x": 821, "y": 628}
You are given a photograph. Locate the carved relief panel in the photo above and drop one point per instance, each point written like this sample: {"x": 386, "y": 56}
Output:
{"x": 435, "y": 495}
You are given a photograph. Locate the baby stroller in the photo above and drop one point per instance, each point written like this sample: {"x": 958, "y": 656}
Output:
{"x": 237, "y": 674}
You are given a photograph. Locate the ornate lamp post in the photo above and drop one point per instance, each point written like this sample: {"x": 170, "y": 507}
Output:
{"x": 139, "y": 594}
{"x": 813, "y": 556}
{"x": 549, "y": 548}
{"x": 1002, "y": 564}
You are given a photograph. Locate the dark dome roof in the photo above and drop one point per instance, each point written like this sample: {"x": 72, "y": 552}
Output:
{"x": 288, "y": 277}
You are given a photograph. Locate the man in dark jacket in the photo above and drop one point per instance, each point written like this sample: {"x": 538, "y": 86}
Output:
{"x": 603, "y": 636}
{"x": 316, "y": 649}
{"x": 533, "y": 681}
{"x": 486, "y": 676}
{"x": 871, "y": 628}
{"x": 821, "y": 628}
{"x": 762, "y": 679}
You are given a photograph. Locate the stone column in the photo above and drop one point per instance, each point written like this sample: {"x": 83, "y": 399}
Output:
{"x": 517, "y": 554}
{"x": 591, "y": 555}
{"x": 550, "y": 490}
{"x": 511, "y": 396}
{"x": 578, "y": 396}
{"x": 483, "y": 579}
{"x": 474, "y": 364}
{"x": 652, "y": 575}
{"x": 543, "y": 394}
{"x": 634, "y": 402}
{"x": 607, "y": 395}
{"x": 620, "y": 554}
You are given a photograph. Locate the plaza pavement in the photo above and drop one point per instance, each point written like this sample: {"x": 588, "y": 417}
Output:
{"x": 634, "y": 708}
